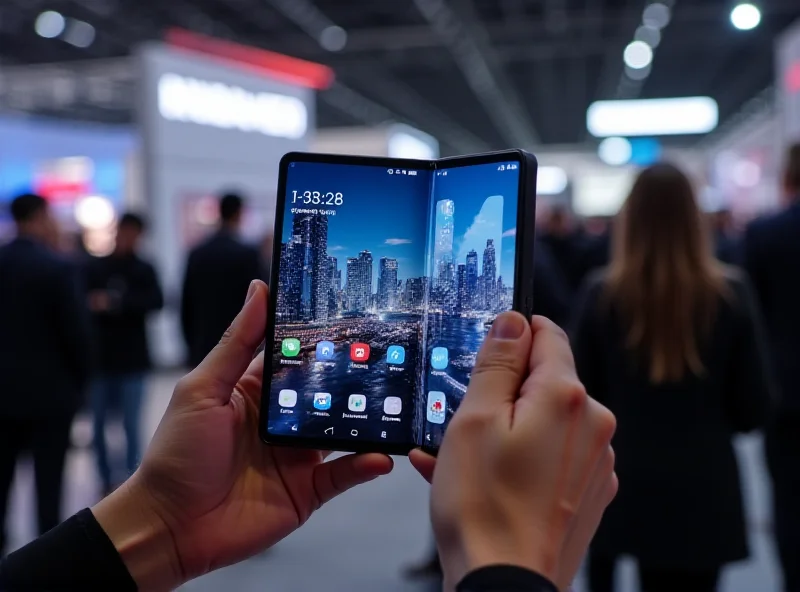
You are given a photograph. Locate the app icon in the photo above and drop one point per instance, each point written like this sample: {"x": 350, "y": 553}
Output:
{"x": 322, "y": 401}
{"x": 439, "y": 358}
{"x": 290, "y": 347}
{"x": 359, "y": 352}
{"x": 325, "y": 350}
{"x": 437, "y": 406}
{"x": 357, "y": 403}
{"x": 287, "y": 398}
{"x": 392, "y": 405}
{"x": 396, "y": 354}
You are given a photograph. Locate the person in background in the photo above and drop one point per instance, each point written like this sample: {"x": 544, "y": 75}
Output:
{"x": 726, "y": 244}
{"x": 671, "y": 341}
{"x": 564, "y": 240}
{"x": 218, "y": 273}
{"x": 123, "y": 290}
{"x": 772, "y": 258}
{"x": 45, "y": 359}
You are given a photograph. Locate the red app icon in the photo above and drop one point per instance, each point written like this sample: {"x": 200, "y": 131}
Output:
{"x": 359, "y": 352}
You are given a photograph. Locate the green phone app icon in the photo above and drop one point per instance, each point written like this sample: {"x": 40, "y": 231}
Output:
{"x": 290, "y": 347}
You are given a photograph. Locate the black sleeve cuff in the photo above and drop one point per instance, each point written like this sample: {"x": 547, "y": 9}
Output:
{"x": 77, "y": 555}
{"x": 505, "y": 578}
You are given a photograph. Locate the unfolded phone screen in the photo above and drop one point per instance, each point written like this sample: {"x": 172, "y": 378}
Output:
{"x": 388, "y": 281}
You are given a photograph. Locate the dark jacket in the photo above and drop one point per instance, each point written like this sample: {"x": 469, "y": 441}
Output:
{"x": 552, "y": 297}
{"x": 218, "y": 275}
{"x": 45, "y": 354}
{"x": 679, "y": 504}
{"x": 772, "y": 258}
{"x": 80, "y": 556}
{"x": 121, "y": 332}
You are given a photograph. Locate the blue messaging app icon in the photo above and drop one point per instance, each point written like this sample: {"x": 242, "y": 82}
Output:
{"x": 324, "y": 350}
{"x": 439, "y": 358}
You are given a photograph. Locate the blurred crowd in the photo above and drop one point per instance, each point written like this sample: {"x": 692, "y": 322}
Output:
{"x": 684, "y": 326}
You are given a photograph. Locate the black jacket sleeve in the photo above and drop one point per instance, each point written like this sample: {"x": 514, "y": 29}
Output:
{"x": 77, "y": 555}
{"x": 188, "y": 293}
{"x": 505, "y": 578}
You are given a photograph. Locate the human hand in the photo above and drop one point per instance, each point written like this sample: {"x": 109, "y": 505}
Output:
{"x": 526, "y": 470}
{"x": 209, "y": 491}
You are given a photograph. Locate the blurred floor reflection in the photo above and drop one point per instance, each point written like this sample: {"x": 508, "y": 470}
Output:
{"x": 361, "y": 542}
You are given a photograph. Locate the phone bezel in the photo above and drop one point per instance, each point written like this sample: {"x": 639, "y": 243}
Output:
{"x": 523, "y": 272}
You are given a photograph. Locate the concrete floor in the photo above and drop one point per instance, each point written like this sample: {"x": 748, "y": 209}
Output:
{"x": 362, "y": 541}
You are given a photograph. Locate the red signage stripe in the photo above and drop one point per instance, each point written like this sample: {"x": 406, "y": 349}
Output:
{"x": 261, "y": 61}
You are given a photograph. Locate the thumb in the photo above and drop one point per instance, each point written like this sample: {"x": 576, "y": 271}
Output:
{"x": 502, "y": 363}
{"x": 224, "y": 366}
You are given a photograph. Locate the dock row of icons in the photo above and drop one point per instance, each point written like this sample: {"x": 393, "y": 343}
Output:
{"x": 402, "y": 172}
{"x": 360, "y": 352}
{"x": 507, "y": 167}
{"x": 436, "y": 412}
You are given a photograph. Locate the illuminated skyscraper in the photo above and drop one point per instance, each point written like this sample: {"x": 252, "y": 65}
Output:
{"x": 310, "y": 236}
{"x": 415, "y": 292}
{"x": 489, "y": 276}
{"x": 443, "y": 245}
{"x": 290, "y": 279}
{"x": 335, "y": 287}
{"x": 472, "y": 280}
{"x": 359, "y": 282}
{"x": 462, "y": 303}
{"x": 387, "y": 283}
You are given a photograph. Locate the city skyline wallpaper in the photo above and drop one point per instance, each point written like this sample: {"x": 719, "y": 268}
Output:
{"x": 376, "y": 263}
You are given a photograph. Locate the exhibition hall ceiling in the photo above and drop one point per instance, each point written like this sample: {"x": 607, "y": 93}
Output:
{"x": 477, "y": 74}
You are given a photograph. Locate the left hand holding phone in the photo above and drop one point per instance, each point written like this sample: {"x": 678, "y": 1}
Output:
{"x": 209, "y": 493}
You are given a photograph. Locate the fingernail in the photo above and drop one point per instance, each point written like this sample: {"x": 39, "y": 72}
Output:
{"x": 508, "y": 326}
{"x": 251, "y": 291}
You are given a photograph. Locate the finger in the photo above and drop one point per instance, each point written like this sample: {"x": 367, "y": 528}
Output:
{"x": 424, "y": 463}
{"x": 227, "y": 362}
{"x": 502, "y": 363}
{"x": 339, "y": 475}
{"x": 551, "y": 346}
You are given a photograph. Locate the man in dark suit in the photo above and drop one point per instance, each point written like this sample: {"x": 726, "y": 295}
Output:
{"x": 44, "y": 357}
{"x": 123, "y": 290}
{"x": 218, "y": 275}
{"x": 772, "y": 258}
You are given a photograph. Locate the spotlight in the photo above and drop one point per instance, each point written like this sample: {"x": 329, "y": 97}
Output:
{"x": 745, "y": 16}
{"x": 79, "y": 34}
{"x": 638, "y": 55}
{"x": 333, "y": 38}
{"x": 49, "y": 24}
{"x": 615, "y": 151}
{"x": 657, "y": 15}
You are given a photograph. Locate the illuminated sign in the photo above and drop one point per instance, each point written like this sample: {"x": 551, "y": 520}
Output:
{"x": 793, "y": 78}
{"x": 652, "y": 117}
{"x": 222, "y": 106}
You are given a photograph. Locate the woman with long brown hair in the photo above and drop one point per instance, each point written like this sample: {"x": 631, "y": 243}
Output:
{"x": 669, "y": 340}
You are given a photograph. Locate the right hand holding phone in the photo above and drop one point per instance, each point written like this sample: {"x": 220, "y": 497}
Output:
{"x": 526, "y": 469}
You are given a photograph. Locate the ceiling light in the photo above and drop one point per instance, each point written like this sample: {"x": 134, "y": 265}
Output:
{"x": 657, "y": 15}
{"x": 333, "y": 38}
{"x": 79, "y": 34}
{"x": 652, "y": 117}
{"x": 649, "y": 35}
{"x": 94, "y": 212}
{"x": 745, "y": 16}
{"x": 49, "y": 24}
{"x": 615, "y": 151}
{"x": 638, "y": 55}
{"x": 551, "y": 180}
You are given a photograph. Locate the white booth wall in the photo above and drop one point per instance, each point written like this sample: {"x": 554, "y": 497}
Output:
{"x": 209, "y": 127}
{"x": 392, "y": 140}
